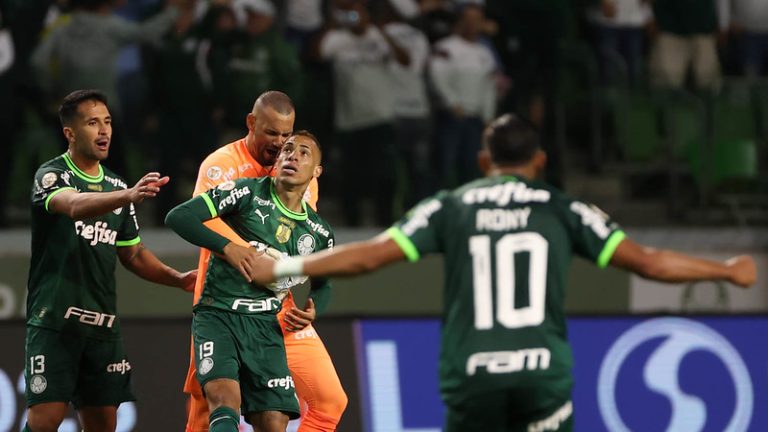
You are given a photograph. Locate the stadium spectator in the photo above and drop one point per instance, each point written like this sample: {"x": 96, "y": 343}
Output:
{"x": 508, "y": 239}
{"x": 462, "y": 71}
{"x": 181, "y": 103}
{"x": 81, "y": 50}
{"x": 239, "y": 350}
{"x": 317, "y": 384}
{"x": 747, "y": 20}
{"x": 83, "y": 217}
{"x": 686, "y": 38}
{"x": 620, "y": 33}
{"x": 303, "y": 19}
{"x": 413, "y": 121}
{"x": 255, "y": 59}
{"x": 364, "y": 108}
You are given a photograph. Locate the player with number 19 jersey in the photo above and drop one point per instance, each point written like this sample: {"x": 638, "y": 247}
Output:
{"x": 253, "y": 210}
{"x": 72, "y": 273}
{"x": 507, "y": 244}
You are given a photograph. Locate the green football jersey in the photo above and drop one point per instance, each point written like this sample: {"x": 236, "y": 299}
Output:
{"x": 507, "y": 244}
{"x": 251, "y": 207}
{"x": 72, "y": 274}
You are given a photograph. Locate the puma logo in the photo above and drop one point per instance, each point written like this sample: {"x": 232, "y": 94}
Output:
{"x": 261, "y": 215}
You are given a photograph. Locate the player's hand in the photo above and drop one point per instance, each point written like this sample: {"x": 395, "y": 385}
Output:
{"x": 147, "y": 187}
{"x": 743, "y": 270}
{"x": 244, "y": 259}
{"x": 297, "y": 319}
{"x": 188, "y": 280}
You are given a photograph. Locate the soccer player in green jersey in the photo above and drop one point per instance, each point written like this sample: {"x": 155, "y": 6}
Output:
{"x": 508, "y": 239}
{"x": 83, "y": 218}
{"x": 239, "y": 351}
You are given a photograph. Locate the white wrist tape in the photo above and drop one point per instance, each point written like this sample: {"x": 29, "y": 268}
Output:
{"x": 290, "y": 266}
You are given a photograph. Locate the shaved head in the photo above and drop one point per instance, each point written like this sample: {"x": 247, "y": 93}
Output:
{"x": 278, "y": 101}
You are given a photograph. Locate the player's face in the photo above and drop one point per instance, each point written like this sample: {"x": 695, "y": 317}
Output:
{"x": 299, "y": 161}
{"x": 269, "y": 129}
{"x": 90, "y": 133}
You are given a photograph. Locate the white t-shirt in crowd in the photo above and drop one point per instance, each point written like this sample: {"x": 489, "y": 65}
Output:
{"x": 306, "y": 15}
{"x": 463, "y": 75}
{"x": 409, "y": 84}
{"x": 363, "y": 85}
{"x": 629, "y": 13}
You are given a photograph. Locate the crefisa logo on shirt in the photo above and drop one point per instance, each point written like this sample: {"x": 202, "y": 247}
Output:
{"x": 682, "y": 366}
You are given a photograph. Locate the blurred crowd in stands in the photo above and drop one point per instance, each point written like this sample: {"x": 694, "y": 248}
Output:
{"x": 397, "y": 91}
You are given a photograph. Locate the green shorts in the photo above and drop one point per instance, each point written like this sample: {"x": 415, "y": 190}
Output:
{"x": 247, "y": 349}
{"x": 67, "y": 367}
{"x": 499, "y": 411}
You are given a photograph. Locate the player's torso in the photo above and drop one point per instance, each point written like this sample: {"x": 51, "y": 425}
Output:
{"x": 506, "y": 256}
{"x": 264, "y": 222}
{"x": 72, "y": 282}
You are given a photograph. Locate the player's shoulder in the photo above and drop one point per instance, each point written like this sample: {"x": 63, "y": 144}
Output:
{"x": 56, "y": 164}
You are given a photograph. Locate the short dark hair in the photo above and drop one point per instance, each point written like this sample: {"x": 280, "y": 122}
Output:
{"x": 68, "y": 108}
{"x": 276, "y": 100}
{"x": 310, "y": 135}
{"x": 511, "y": 140}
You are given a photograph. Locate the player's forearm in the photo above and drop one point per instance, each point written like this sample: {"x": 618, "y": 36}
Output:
{"x": 86, "y": 205}
{"x": 147, "y": 266}
{"x": 670, "y": 266}
{"x": 187, "y": 221}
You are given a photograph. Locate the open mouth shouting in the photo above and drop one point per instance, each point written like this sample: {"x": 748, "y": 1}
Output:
{"x": 102, "y": 144}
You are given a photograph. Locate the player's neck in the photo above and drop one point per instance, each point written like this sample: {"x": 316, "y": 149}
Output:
{"x": 290, "y": 196}
{"x": 525, "y": 171}
{"x": 85, "y": 164}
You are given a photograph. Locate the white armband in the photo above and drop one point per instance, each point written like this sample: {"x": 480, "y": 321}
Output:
{"x": 290, "y": 266}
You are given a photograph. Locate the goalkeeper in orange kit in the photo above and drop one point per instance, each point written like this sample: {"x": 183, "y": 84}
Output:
{"x": 322, "y": 398}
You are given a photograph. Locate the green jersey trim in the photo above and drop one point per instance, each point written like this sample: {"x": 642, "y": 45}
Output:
{"x": 284, "y": 210}
{"x": 610, "y": 247}
{"x": 132, "y": 242}
{"x": 78, "y": 172}
{"x": 402, "y": 240}
{"x": 209, "y": 203}
{"x": 56, "y": 192}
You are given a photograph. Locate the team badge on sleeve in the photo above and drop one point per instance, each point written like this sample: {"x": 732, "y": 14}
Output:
{"x": 306, "y": 244}
{"x": 49, "y": 179}
{"x": 213, "y": 173}
{"x": 227, "y": 186}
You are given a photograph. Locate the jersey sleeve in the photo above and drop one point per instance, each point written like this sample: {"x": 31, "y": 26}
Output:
{"x": 49, "y": 182}
{"x": 419, "y": 232}
{"x": 129, "y": 230}
{"x": 216, "y": 169}
{"x": 595, "y": 236}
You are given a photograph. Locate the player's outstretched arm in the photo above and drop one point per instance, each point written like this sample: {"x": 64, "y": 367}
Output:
{"x": 142, "y": 262}
{"x": 346, "y": 260}
{"x": 83, "y": 205}
{"x": 670, "y": 266}
{"x": 187, "y": 219}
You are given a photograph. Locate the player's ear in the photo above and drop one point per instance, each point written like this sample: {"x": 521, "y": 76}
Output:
{"x": 69, "y": 134}
{"x": 484, "y": 160}
{"x": 318, "y": 170}
{"x": 250, "y": 121}
{"x": 539, "y": 162}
